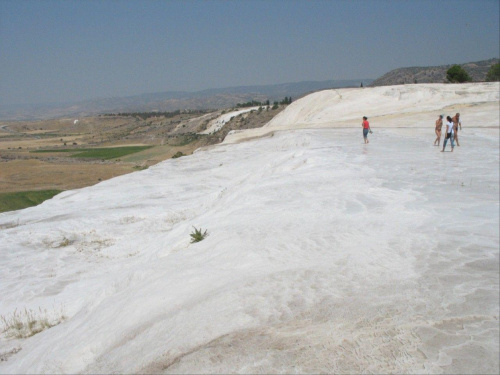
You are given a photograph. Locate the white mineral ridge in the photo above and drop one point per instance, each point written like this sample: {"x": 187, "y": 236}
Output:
{"x": 407, "y": 106}
{"x": 324, "y": 255}
{"x": 219, "y": 122}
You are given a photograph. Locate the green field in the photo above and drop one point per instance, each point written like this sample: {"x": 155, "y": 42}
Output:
{"x": 56, "y": 150}
{"x": 99, "y": 153}
{"x": 24, "y": 199}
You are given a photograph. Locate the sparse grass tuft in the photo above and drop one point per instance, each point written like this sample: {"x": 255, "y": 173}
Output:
{"x": 4, "y": 356}
{"x": 65, "y": 242}
{"x": 198, "y": 235}
{"x": 28, "y": 322}
{"x": 11, "y": 224}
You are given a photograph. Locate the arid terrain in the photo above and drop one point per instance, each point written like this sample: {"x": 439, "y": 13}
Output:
{"x": 27, "y": 163}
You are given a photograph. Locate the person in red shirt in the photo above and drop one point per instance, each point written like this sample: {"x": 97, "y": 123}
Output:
{"x": 366, "y": 128}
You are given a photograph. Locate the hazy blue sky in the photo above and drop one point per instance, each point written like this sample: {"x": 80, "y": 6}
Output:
{"x": 54, "y": 51}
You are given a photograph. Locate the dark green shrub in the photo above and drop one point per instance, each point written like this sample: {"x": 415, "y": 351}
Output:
{"x": 457, "y": 74}
{"x": 178, "y": 154}
{"x": 493, "y": 74}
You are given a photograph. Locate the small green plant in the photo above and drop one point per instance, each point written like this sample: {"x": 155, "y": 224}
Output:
{"x": 198, "y": 235}
{"x": 178, "y": 154}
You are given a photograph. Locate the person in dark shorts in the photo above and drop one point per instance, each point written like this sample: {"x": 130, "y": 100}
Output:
{"x": 366, "y": 129}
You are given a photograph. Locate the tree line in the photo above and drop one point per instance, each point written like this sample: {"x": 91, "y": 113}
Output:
{"x": 254, "y": 103}
{"x": 457, "y": 74}
{"x": 145, "y": 115}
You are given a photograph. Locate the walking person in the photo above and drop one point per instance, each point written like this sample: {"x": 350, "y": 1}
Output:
{"x": 366, "y": 129}
{"x": 437, "y": 130}
{"x": 449, "y": 134}
{"x": 456, "y": 123}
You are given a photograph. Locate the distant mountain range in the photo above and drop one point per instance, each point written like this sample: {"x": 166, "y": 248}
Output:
{"x": 433, "y": 74}
{"x": 230, "y": 96}
{"x": 174, "y": 100}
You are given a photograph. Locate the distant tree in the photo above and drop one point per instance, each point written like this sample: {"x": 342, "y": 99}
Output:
{"x": 457, "y": 74}
{"x": 494, "y": 73}
{"x": 252, "y": 103}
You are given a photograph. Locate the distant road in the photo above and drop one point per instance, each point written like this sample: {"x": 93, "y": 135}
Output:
{"x": 5, "y": 128}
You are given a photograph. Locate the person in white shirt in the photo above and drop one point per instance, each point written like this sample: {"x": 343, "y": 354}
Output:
{"x": 449, "y": 134}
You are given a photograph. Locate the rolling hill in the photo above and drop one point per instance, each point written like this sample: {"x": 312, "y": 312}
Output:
{"x": 433, "y": 74}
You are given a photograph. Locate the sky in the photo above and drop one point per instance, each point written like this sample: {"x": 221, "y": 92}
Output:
{"x": 54, "y": 51}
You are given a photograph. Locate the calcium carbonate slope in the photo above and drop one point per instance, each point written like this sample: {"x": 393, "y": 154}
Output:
{"x": 324, "y": 255}
{"x": 386, "y": 106}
